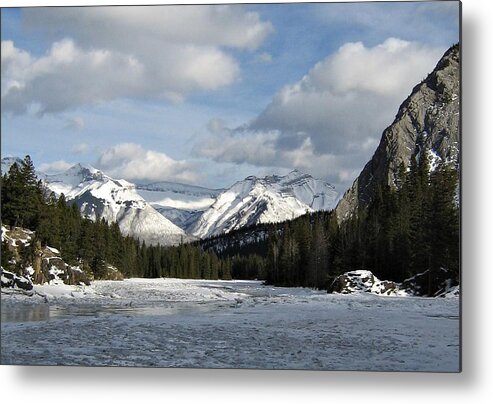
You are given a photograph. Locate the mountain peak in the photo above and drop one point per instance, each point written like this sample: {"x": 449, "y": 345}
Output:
{"x": 276, "y": 178}
{"x": 98, "y": 195}
{"x": 8, "y": 162}
{"x": 82, "y": 166}
{"x": 296, "y": 174}
{"x": 269, "y": 199}
{"x": 427, "y": 119}
{"x": 75, "y": 175}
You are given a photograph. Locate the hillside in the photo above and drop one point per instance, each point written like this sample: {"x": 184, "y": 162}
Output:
{"x": 429, "y": 119}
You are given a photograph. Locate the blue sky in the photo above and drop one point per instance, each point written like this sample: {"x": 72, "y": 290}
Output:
{"x": 210, "y": 94}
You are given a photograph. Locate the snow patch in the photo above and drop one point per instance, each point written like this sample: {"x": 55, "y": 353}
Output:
{"x": 453, "y": 292}
{"x": 53, "y": 250}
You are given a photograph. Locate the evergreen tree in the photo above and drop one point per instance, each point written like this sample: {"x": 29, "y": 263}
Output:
{"x": 12, "y": 197}
{"x": 443, "y": 225}
{"x": 318, "y": 264}
{"x": 32, "y": 193}
{"x": 419, "y": 191}
{"x": 303, "y": 242}
{"x": 97, "y": 265}
{"x": 48, "y": 227}
{"x": 273, "y": 258}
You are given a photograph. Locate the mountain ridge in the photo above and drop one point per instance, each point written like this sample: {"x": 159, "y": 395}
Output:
{"x": 98, "y": 195}
{"x": 427, "y": 120}
{"x": 175, "y": 212}
{"x": 269, "y": 199}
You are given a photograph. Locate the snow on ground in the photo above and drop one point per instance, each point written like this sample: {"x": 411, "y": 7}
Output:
{"x": 227, "y": 324}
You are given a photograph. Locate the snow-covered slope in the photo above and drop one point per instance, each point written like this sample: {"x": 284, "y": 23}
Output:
{"x": 7, "y": 162}
{"x": 181, "y": 204}
{"x": 96, "y": 194}
{"x": 164, "y": 212}
{"x": 264, "y": 200}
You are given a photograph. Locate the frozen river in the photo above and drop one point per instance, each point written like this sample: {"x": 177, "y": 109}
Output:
{"x": 227, "y": 324}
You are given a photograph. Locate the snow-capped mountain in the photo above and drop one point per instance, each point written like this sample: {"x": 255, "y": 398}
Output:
{"x": 97, "y": 194}
{"x": 167, "y": 213}
{"x": 264, "y": 200}
{"x": 181, "y": 204}
{"x": 8, "y": 162}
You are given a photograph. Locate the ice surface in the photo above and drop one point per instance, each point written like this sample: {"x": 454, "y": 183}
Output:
{"x": 225, "y": 324}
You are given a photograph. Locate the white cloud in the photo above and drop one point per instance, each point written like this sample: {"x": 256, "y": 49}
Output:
{"x": 80, "y": 148}
{"x": 226, "y": 146}
{"x": 262, "y": 149}
{"x": 68, "y": 76}
{"x": 350, "y": 96}
{"x": 331, "y": 120}
{"x": 132, "y": 162}
{"x": 141, "y": 28}
{"x": 127, "y": 52}
{"x": 14, "y": 63}
{"x": 55, "y": 167}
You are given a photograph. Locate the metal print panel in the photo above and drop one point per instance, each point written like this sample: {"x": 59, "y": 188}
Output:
{"x": 261, "y": 186}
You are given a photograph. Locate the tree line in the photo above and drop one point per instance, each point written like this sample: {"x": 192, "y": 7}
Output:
{"x": 412, "y": 229}
{"x": 406, "y": 230}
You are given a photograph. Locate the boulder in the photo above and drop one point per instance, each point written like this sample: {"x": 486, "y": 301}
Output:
{"x": 11, "y": 280}
{"x": 110, "y": 273}
{"x": 418, "y": 285}
{"x": 364, "y": 282}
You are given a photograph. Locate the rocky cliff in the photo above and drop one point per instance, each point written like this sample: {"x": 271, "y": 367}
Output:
{"x": 428, "y": 119}
{"x": 31, "y": 263}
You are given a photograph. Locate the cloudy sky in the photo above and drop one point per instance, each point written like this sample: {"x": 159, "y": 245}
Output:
{"x": 208, "y": 95}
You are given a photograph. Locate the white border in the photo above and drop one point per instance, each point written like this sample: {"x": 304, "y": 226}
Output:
{"x": 119, "y": 385}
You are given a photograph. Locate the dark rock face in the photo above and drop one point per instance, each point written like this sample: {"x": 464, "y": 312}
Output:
{"x": 419, "y": 285}
{"x": 11, "y": 280}
{"x": 428, "y": 118}
{"x": 363, "y": 282}
{"x": 46, "y": 266}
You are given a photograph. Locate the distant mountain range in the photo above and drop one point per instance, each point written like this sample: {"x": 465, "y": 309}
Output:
{"x": 7, "y": 162}
{"x": 264, "y": 200}
{"x": 97, "y": 194}
{"x": 168, "y": 213}
{"x": 181, "y": 204}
